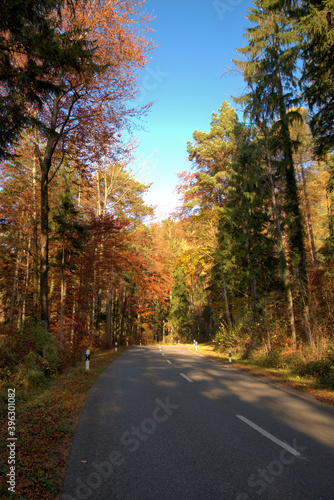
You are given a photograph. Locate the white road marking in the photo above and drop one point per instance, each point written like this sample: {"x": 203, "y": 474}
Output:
{"x": 185, "y": 376}
{"x": 270, "y": 436}
{"x": 169, "y": 361}
{"x": 162, "y": 353}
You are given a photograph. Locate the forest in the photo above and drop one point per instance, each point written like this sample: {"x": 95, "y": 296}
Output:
{"x": 246, "y": 262}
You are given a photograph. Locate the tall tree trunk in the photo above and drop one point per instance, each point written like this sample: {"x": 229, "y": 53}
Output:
{"x": 282, "y": 257}
{"x": 62, "y": 295}
{"x": 98, "y": 314}
{"x": 123, "y": 308}
{"x": 109, "y": 307}
{"x": 14, "y": 289}
{"x": 92, "y": 321}
{"x": 296, "y": 231}
{"x": 98, "y": 185}
{"x": 45, "y": 165}
{"x": 227, "y": 309}
{"x": 35, "y": 242}
{"x": 309, "y": 226}
{"x": 44, "y": 256}
{"x": 330, "y": 212}
{"x": 74, "y": 312}
{"x": 138, "y": 326}
{"x": 22, "y": 312}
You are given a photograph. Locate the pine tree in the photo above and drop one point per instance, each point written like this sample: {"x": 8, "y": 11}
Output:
{"x": 179, "y": 310}
{"x": 245, "y": 232}
{"x": 270, "y": 72}
{"x": 313, "y": 20}
{"x": 270, "y": 69}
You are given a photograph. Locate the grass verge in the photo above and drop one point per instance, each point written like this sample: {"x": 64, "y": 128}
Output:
{"x": 44, "y": 427}
{"x": 286, "y": 376}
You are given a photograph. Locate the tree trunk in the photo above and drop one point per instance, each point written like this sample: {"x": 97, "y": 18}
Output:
{"x": 308, "y": 217}
{"x": 45, "y": 165}
{"x": 98, "y": 185}
{"x": 123, "y": 314}
{"x": 284, "y": 267}
{"x": 98, "y": 314}
{"x": 22, "y": 312}
{"x": 109, "y": 318}
{"x": 14, "y": 289}
{"x": 227, "y": 309}
{"x": 44, "y": 257}
{"x": 62, "y": 295}
{"x": 35, "y": 243}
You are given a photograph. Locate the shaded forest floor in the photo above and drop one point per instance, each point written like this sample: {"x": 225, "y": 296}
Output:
{"x": 286, "y": 376}
{"x": 45, "y": 424}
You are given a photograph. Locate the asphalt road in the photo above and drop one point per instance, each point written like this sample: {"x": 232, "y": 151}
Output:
{"x": 167, "y": 424}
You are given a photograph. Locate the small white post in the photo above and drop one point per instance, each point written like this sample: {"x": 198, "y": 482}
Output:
{"x": 115, "y": 346}
{"x": 87, "y": 359}
{"x": 230, "y": 356}
{"x": 196, "y": 345}
{"x": 140, "y": 342}
{"x": 127, "y": 342}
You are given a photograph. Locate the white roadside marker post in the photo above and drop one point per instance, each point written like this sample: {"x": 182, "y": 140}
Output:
{"x": 115, "y": 346}
{"x": 127, "y": 342}
{"x": 87, "y": 359}
{"x": 196, "y": 346}
{"x": 230, "y": 356}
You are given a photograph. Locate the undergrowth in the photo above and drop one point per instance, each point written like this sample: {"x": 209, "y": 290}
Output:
{"x": 50, "y": 394}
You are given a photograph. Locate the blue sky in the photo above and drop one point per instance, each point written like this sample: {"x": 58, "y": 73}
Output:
{"x": 196, "y": 41}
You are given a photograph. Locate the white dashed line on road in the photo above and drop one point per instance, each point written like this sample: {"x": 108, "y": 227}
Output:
{"x": 185, "y": 376}
{"x": 270, "y": 436}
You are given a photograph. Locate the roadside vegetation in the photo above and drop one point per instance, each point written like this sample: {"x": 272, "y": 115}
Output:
{"x": 308, "y": 369}
{"x": 50, "y": 392}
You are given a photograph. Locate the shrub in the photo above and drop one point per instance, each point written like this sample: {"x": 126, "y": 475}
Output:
{"x": 321, "y": 369}
{"x": 29, "y": 357}
{"x": 225, "y": 338}
{"x": 270, "y": 360}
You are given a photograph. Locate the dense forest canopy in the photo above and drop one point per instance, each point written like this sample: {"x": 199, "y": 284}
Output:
{"x": 248, "y": 260}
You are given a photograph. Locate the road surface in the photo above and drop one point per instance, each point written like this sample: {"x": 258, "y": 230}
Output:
{"x": 163, "y": 423}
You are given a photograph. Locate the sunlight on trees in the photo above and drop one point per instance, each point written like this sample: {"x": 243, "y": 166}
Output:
{"x": 248, "y": 259}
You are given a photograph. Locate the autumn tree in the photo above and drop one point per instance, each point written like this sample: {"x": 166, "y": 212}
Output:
{"x": 71, "y": 234}
{"x": 88, "y": 109}
{"x": 34, "y": 46}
